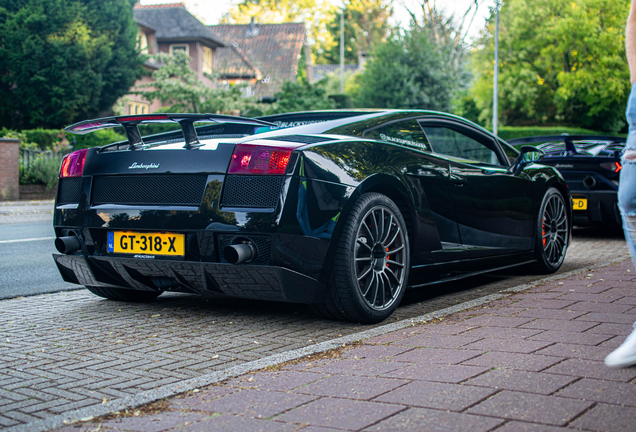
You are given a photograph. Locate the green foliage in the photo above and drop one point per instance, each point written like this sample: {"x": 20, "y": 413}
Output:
{"x": 510, "y": 132}
{"x": 176, "y": 84}
{"x": 300, "y": 96}
{"x": 64, "y": 60}
{"x": 562, "y": 62}
{"x": 351, "y": 83}
{"x": 408, "y": 71}
{"x": 341, "y": 100}
{"x": 98, "y": 138}
{"x": 365, "y": 27}
{"x": 43, "y": 169}
{"x": 46, "y": 139}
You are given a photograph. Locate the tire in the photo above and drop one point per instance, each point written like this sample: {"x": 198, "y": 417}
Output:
{"x": 552, "y": 228}
{"x": 371, "y": 265}
{"x": 120, "y": 294}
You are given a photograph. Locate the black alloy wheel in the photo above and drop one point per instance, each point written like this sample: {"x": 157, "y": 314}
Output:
{"x": 372, "y": 263}
{"x": 553, "y": 230}
{"x": 380, "y": 255}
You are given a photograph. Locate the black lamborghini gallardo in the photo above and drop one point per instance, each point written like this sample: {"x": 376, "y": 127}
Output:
{"x": 342, "y": 210}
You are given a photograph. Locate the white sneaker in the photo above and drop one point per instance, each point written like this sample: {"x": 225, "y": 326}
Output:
{"x": 624, "y": 355}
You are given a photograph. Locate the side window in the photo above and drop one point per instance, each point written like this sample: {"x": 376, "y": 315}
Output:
{"x": 448, "y": 142}
{"x": 510, "y": 152}
{"x": 407, "y": 133}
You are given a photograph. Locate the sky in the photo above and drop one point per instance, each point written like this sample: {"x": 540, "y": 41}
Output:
{"x": 211, "y": 11}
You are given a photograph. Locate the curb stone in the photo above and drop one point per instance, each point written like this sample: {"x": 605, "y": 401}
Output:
{"x": 143, "y": 398}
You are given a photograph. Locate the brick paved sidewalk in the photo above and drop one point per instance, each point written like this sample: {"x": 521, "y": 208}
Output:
{"x": 532, "y": 361}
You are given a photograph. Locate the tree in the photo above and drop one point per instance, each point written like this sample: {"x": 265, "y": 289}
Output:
{"x": 314, "y": 13}
{"x": 300, "y": 96}
{"x": 64, "y": 60}
{"x": 406, "y": 72}
{"x": 420, "y": 68}
{"x": 175, "y": 83}
{"x": 365, "y": 27}
{"x": 562, "y": 62}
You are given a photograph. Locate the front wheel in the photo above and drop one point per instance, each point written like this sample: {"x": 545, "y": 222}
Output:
{"x": 371, "y": 264}
{"x": 552, "y": 233}
{"x": 120, "y": 294}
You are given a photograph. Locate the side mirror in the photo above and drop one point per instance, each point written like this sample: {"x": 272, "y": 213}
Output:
{"x": 527, "y": 155}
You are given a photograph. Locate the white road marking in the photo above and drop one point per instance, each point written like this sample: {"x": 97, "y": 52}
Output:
{"x": 26, "y": 240}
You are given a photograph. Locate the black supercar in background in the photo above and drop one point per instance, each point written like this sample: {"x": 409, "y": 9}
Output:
{"x": 342, "y": 210}
{"x": 591, "y": 167}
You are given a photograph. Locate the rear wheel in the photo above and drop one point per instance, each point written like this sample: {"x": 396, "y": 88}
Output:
{"x": 371, "y": 264}
{"x": 120, "y": 294}
{"x": 552, "y": 229}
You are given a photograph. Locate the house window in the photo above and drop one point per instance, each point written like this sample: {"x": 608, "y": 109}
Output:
{"x": 138, "y": 108}
{"x": 142, "y": 42}
{"x": 207, "y": 60}
{"x": 180, "y": 47}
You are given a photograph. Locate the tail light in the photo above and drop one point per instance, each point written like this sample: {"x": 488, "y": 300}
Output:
{"x": 255, "y": 159}
{"x": 73, "y": 164}
{"x": 612, "y": 166}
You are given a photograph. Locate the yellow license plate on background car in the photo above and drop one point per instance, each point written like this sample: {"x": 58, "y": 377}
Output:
{"x": 148, "y": 243}
{"x": 579, "y": 203}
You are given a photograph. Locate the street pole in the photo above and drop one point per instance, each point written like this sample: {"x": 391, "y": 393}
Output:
{"x": 342, "y": 52}
{"x": 495, "y": 99}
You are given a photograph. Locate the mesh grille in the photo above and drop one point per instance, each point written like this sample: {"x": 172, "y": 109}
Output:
{"x": 263, "y": 245}
{"x": 69, "y": 192}
{"x": 185, "y": 190}
{"x": 573, "y": 177}
{"x": 300, "y": 138}
{"x": 252, "y": 191}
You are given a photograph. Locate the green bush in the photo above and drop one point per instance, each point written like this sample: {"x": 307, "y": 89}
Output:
{"x": 341, "y": 100}
{"x": 46, "y": 139}
{"x": 44, "y": 169}
{"x": 95, "y": 139}
{"x": 510, "y": 132}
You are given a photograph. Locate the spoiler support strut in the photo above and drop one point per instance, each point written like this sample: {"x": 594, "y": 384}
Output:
{"x": 186, "y": 121}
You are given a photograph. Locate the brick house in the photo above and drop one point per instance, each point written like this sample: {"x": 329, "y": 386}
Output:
{"x": 262, "y": 55}
{"x": 167, "y": 28}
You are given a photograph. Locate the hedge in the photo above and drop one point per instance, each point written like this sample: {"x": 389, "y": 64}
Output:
{"x": 510, "y": 132}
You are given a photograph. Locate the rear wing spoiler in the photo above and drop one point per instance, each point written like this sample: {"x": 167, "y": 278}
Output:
{"x": 567, "y": 139}
{"x": 131, "y": 124}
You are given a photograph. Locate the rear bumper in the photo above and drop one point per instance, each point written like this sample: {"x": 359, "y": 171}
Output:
{"x": 241, "y": 281}
{"x": 602, "y": 209}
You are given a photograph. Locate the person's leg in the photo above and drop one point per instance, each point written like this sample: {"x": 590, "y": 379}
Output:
{"x": 625, "y": 355}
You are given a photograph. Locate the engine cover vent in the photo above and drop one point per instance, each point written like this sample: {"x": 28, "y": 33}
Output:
{"x": 260, "y": 191}
{"x": 160, "y": 189}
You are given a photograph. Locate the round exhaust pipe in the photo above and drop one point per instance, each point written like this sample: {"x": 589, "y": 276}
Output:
{"x": 590, "y": 182}
{"x": 68, "y": 244}
{"x": 239, "y": 253}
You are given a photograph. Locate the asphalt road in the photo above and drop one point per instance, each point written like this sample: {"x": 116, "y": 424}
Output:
{"x": 26, "y": 265}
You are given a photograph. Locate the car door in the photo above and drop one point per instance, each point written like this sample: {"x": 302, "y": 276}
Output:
{"x": 430, "y": 182}
{"x": 493, "y": 207}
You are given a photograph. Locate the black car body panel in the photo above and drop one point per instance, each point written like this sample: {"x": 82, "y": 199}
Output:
{"x": 463, "y": 216}
{"x": 591, "y": 167}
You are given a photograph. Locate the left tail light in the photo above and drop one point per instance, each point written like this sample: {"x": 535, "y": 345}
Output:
{"x": 73, "y": 164}
{"x": 255, "y": 159}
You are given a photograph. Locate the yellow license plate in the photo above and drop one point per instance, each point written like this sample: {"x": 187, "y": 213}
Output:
{"x": 147, "y": 243}
{"x": 579, "y": 203}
